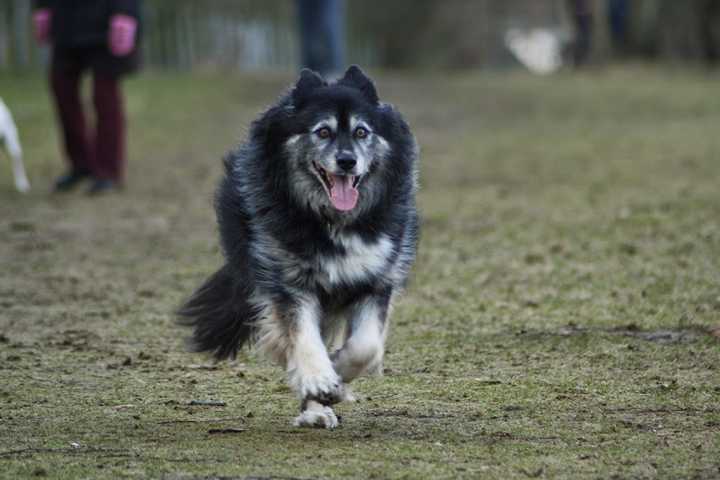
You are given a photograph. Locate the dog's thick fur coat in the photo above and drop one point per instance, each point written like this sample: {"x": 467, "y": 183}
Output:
{"x": 319, "y": 229}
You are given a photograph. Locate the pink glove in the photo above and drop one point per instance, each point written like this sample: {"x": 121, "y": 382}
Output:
{"x": 41, "y": 22}
{"x": 122, "y": 34}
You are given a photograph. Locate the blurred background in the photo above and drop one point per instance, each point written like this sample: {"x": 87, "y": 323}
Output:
{"x": 456, "y": 34}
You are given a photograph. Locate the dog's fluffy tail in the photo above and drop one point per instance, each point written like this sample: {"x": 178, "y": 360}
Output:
{"x": 220, "y": 314}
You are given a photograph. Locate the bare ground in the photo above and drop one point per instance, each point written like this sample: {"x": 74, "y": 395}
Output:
{"x": 562, "y": 321}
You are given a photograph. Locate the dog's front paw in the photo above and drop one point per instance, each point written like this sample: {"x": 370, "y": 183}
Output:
{"x": 316, "y": 415}
{"x": 324, "y": 388}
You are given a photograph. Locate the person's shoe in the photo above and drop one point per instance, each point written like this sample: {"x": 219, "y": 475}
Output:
{"x": 103, "y": 185}
{"x": 70, "y": 180}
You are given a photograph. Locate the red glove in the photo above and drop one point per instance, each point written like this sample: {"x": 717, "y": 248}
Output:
{"x": 122, "y": 34}
{"x": 41, "y": 23}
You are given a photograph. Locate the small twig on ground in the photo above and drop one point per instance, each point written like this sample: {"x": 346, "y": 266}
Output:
{"x": 209, "y": 420}
{"x": 207, "y": 403}
{"x": 214, "y": 431}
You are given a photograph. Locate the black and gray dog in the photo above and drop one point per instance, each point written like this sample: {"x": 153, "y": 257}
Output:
{"x": 319, "y": 229}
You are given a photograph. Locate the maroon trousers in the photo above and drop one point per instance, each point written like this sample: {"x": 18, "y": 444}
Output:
{"x": 99, "y": 151}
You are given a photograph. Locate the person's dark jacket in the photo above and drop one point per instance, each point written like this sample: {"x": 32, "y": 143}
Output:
{"x": 84, "y": 25}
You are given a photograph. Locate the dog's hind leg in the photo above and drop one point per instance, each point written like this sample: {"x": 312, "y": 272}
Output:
{"x": 365, "y": 345}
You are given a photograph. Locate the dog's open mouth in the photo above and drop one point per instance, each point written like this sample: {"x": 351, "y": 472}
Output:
{"x": 341, "y": 189}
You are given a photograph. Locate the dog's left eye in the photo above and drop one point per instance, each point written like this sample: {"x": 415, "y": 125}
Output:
{"x": 361, "y": 132}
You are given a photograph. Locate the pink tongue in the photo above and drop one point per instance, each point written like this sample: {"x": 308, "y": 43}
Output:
{"x": 342, "y": 194}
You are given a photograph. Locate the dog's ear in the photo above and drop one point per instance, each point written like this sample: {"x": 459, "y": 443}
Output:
{"x": 356, "y": 78}
{"x": 307, "y": 82}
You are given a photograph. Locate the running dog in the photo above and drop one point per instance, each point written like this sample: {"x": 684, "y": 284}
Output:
{"x": 319, "y": 229}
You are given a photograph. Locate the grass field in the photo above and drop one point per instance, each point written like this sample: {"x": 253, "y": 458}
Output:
{"x": 561, "y": 321}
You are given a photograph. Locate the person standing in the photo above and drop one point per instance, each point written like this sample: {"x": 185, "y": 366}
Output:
{"x": 322, "y": 35}
{"x": 619, "y": 23}
{"x": 100, "y": 36}
{"x": 581, "y": 12}
{"x": 709, "y": 29}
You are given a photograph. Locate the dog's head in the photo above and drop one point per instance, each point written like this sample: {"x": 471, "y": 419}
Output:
{"x": 339, "y": 142}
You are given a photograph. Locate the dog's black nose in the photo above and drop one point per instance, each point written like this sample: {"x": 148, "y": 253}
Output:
{"x": 346, "y": 160}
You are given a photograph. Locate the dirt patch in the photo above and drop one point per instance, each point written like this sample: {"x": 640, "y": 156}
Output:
{"x": 661, "y": 336}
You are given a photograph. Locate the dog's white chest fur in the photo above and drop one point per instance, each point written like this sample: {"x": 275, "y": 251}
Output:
{"x": 360, "y": 260}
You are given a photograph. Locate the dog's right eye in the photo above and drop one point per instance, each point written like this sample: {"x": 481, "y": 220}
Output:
{"x": 323, "y": 133}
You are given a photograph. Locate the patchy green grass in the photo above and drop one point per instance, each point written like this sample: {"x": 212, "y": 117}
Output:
{"x": 558, "y": 324}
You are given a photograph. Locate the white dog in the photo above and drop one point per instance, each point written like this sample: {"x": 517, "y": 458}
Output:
{"x": 9, "y": 135}
{"x": 540, "y": 49}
